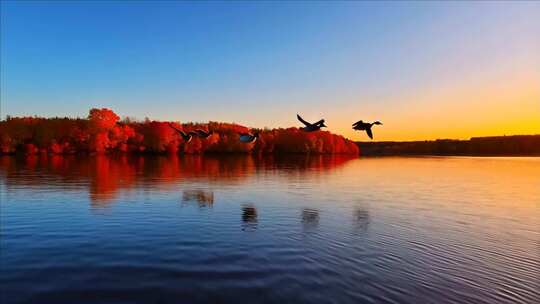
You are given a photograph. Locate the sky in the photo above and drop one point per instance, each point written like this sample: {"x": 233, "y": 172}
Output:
{"x": 426, "y": 70}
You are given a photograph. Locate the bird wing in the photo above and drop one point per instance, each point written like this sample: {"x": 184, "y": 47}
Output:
{"x": 201, "y": 131}
{"x": 320, "y": 122}
{"x": 357, "y": 123}
{"x": 177, "y": 130}
{"x": 369, "y": 133}
{"x": 303, "y": 121}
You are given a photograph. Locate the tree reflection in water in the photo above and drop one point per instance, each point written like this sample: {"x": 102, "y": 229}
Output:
{"x": 104, "y": 176}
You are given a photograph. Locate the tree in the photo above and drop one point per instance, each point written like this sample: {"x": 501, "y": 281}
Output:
{"x": 102, "y": 119}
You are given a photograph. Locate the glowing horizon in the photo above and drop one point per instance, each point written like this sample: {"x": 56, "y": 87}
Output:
{"x": 426, "y": 70}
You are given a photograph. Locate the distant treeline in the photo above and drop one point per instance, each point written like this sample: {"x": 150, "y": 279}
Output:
{"x": 103, "y": 132}
{"x": 524, "y": 145}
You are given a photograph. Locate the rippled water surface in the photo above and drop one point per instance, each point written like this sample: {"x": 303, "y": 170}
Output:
{"x": 247, "y": 229}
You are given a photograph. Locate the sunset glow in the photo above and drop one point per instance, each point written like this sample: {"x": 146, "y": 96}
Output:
{"x": 426, "y": 70}
{"x": 269, "y": 151}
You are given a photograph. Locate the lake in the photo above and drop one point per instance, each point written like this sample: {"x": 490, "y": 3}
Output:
{"x": 319, "y": 229}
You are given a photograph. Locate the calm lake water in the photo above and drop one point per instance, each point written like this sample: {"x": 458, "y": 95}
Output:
{"x": 266, "y": 230}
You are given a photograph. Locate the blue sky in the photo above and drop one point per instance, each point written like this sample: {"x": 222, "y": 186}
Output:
{"x": 259, "y": 63}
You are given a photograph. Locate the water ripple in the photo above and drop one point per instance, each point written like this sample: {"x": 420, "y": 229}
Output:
{"x": 245, "y": 229}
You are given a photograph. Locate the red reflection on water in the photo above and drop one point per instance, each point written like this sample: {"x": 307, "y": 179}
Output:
{"x": 105, "y": 175}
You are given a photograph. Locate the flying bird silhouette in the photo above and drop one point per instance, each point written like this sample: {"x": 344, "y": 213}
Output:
{"x": 203, "y": 134}
{"x": 186, "y": 137}
{"x": 248, "y": 137}
{"x": 310, "y": 127}
{"x": 365, "y": 126}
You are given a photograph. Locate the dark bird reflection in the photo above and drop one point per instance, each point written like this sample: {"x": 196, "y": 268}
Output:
{"x": 310, "y": 218}
{"x": 249, "y": 218}
{"x": 202, "y": 198}
{"x": 249, "y": 214}
{"x": 361, "y": 219}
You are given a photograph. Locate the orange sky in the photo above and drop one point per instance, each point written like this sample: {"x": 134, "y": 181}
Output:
{"x": 505, "y": 106}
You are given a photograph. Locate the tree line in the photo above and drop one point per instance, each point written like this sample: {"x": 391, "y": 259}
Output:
{"x": 516, "y": 145}
{"x": 103, "y": 132}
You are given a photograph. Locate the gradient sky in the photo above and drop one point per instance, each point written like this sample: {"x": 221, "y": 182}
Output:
{"x": 426, "y": 70}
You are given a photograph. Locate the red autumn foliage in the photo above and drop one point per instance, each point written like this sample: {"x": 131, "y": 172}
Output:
{"x": 102, "y": 119}
{"x": 103, "y": 132}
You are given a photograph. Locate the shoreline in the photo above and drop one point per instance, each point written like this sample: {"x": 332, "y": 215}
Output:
{"x": 515, "y": 145}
